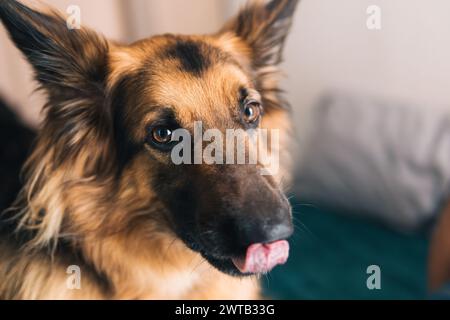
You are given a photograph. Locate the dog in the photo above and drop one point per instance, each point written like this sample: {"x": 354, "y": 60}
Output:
{"x": 102, "y": 211}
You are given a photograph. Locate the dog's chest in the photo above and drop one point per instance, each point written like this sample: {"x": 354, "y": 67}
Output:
{"x": 161, "y": 284}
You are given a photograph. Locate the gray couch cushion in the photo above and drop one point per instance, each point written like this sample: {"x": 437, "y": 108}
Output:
{"x": 378, "y": 159}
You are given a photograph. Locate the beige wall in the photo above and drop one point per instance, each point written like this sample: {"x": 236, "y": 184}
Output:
{"x": 408, "y": 60}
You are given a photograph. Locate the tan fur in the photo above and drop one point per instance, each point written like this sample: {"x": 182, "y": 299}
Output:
{"x": 439, "y": 253}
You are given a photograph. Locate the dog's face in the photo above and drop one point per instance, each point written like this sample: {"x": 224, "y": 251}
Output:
{"x": 118, "y": 107}
{"x": 219, "y": 210}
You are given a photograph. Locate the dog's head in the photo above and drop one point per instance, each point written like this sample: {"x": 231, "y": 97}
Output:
{"x": 105, "y": 151}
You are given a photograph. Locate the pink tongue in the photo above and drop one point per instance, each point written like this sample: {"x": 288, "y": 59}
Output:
{"x": 262, "y": 258}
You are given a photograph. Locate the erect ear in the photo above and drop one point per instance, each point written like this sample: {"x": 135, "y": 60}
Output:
{"x": 72, "y": 66}
{"x": 264, "y": 26}
{"x": 74, "y": 61}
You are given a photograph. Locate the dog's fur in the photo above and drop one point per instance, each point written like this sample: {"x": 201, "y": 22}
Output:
{"x": 439, "y": 253}
{"x": 96, "y": 196}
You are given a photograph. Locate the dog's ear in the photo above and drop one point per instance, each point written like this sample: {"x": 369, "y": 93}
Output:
{"x": 72, "y": 67}
{"x": 72, "y": 61}
{"x": 264, "y": 26}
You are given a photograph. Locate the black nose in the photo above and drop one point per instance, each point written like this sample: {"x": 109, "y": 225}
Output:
{"x": 264, "y": 230}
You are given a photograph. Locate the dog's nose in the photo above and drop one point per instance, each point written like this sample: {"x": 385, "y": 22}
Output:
{"x": 279, "y": 231}
{"x": 265, "y": 230}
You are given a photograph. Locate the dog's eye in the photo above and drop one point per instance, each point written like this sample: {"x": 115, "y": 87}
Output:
{"x": 252, "y": 112}
{"x": 161, "y": 135}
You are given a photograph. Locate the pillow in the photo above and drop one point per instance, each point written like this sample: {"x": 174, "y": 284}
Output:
{"x": 376, "y": 159}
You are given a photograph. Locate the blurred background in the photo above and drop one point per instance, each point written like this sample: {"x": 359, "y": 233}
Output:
{"x": 371, "y": 112}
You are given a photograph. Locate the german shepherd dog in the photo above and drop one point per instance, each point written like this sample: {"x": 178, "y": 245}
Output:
{"x": 100, "y": 190}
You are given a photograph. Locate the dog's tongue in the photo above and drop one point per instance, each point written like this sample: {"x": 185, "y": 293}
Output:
{"x": 262, "y": 258}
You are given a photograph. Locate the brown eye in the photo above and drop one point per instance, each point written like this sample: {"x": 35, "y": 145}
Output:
{"x": 161, "y": 135}
{"x": 252, "y": 112}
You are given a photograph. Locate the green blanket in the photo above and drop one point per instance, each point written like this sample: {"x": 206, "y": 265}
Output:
{"x": 330, "y": 254}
